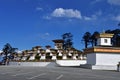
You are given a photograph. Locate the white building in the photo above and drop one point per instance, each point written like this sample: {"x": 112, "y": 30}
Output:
{"x": 103, "y": 56}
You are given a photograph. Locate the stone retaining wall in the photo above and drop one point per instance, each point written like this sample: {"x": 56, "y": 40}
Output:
{"x": 70, "y": 62}
{"x": 50, "y": 64}
{"x": 41, "y": 64}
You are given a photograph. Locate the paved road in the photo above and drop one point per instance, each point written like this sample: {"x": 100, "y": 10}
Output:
{"x": 58, "y": 73}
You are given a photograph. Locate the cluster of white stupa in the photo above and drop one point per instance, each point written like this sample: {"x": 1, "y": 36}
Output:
{"x": 50, "y": 54}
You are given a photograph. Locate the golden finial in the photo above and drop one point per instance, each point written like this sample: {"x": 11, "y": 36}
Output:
{"x": 103, "y": 31}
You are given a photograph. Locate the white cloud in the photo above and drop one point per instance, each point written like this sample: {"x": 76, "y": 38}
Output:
{"x": 47, "y": 34}
{"x": 44, "y": 36}
{"x": 39, "y": 9}
{"x": 47, "y": 37}
{"x": 47, "y": 17}
{"x": 117, "y": 18}
{"x": 87, "y": 18}
{"x": 114, "y": 2}
{"x": 96, "y": 1}
{"x": 93, "y": 17}
{"x": 69, "y": 13}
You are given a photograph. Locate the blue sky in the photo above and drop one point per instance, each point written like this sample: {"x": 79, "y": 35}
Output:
{"x": 28, "y": 23}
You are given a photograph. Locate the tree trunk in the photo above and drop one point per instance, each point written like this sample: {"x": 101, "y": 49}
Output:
{"x": 86, "y": 45}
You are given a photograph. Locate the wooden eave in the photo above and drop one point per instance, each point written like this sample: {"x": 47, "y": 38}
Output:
{"x": 102, "y": 50}
{"x": 105, "y": 35}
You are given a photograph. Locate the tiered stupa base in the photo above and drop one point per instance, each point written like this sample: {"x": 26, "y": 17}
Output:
{"x": 102, "y": 58}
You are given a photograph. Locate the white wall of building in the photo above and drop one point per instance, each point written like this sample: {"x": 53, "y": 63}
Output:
{"x": 48, "y": 51}
{"x": 43, "y": 57}
{"x": 103, "y": 58}
{"x": 50, "y": 64}
{"x": 107, "y": 58}
{"x": 64, "y": 57}
{"x": 32, "y": 58}
{"x": 91, "y": 58}
{"x": 40, "y": 64}
{"x": 70, "y": 62}
{"x": 101, "y": 41}
{"x": 54, "y": 57}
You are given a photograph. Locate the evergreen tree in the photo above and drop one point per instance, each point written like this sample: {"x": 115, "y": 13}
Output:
{"x": 8, "y": 50}
{"x": 86, "y": 38}
{"x": 67, "y": 37}
{"x": 116, "y": 37}
{"x": 94, "y": 39}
